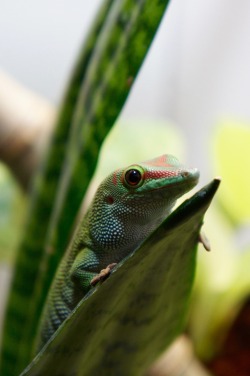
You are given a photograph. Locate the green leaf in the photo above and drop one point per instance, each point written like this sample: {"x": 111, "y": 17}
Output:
{"x": 122, "y": 325}
{"x": 232, "y": 156}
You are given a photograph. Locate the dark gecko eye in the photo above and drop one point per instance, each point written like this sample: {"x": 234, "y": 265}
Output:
{"x": 134, "y": 177}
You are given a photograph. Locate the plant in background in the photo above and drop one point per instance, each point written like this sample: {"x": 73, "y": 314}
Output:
{"x": 223, "y": 280}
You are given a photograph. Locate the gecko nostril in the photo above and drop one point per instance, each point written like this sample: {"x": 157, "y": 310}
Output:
{"x": 185, "y": 174}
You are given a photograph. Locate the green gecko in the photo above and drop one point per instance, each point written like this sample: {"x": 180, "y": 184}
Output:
{"x": 128, "y": 206}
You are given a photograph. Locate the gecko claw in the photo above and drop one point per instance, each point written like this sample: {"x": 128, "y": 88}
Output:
{"x": 204, "y": 241}
{"x": 104, "y": 274}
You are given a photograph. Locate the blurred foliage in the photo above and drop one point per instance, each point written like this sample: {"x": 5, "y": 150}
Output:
{"x": 231, "y": 159}
{"x": 223, "y": 278}
{"x": 12, "y": 205}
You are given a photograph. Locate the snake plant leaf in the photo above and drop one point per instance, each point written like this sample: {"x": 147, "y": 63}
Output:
{"x": 31, "y": 249}
{"x": 122, "y": 325}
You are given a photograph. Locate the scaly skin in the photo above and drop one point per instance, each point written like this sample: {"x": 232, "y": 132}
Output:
{"x": 128, "y": 205}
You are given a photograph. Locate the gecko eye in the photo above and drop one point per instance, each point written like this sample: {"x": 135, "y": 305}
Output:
{"x": 133, "y": 177}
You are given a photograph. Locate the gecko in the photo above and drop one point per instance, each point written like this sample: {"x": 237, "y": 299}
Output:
{"x": 127, "y": 207}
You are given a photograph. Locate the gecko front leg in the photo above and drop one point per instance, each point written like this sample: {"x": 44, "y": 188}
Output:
{"x": 83, "y": 272}
{"x": 84, "y": 269}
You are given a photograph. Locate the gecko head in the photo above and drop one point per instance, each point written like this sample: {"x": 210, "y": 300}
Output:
{"x": 162, "y": 176}
{"x": 131, "y": 202}
{"x": 152, "y": 186}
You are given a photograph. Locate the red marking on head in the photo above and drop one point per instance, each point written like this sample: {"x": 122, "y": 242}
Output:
{"x": 114, "y": 180}
{"x": 164, "y": 160}
{"x": 160, "y": 174}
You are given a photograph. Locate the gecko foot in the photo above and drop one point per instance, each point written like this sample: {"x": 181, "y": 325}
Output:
{"x": 104, "y": 273}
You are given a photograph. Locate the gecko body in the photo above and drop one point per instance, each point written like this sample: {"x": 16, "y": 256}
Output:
{"x": 128, "y": 206}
